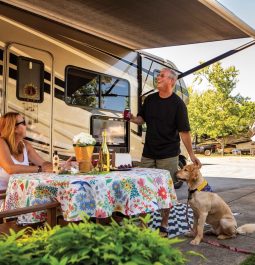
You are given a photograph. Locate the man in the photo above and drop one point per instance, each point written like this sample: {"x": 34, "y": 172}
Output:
{"x": 167, "y": 121}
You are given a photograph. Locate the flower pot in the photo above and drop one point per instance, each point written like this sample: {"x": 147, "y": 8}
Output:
{"x": 83, "y": 157}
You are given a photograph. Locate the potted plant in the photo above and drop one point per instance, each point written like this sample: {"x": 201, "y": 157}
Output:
{"x": 84, "y": 146}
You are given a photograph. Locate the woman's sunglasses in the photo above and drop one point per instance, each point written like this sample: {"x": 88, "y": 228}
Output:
{"x": 21, "y": 122}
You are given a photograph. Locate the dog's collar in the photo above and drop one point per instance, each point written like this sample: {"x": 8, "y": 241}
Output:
{"x": 204, "y": 186}
{"x": 190, "y": 193}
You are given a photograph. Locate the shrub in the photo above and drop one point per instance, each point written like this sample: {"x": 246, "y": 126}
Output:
{"x": 249, "y": 261}
{"x": 89, "y": 243}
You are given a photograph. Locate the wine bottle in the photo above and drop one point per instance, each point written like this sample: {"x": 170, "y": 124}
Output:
{"x": 104, "y": 155}
{"x": 55, "y": 162}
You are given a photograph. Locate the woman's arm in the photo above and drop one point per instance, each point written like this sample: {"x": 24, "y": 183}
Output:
{"x": 35, "y": 158}
{"x": 8, "y": 165}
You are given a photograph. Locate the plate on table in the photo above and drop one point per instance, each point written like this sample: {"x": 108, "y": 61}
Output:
{"x": 121, "y": 169}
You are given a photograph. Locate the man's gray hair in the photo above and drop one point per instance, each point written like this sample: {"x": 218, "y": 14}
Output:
{"x": 172, "y": 74}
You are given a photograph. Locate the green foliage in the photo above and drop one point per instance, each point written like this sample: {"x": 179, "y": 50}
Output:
{"x": 89, "y": 243}
{"x": 222, "y": 80}
{"x": 86, "y": 95}
{"x": 215, "y": 111}
{"x": 249, "y": 261}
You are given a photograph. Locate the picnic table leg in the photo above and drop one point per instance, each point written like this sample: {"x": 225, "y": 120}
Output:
{"x": 52, "y": 216}
{"x": 164, "y": 223}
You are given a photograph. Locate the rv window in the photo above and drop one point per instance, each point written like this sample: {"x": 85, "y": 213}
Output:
{"x": 82, "y": 88}
{"x": 149, "y": 75}
{"x": 117, "y": 132}
{"x": 95, "y": 90}
{"x": 30, "y": 80}
{"x": 155, "y": 76}
{"x": 115, "y": 93}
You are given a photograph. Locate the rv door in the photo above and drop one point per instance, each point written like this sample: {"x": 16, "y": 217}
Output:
{"x": 27, "y": 86}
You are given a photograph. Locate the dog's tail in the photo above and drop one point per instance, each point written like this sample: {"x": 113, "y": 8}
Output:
{"x": 246, "y": 229}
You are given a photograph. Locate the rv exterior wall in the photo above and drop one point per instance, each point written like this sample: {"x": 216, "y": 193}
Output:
{"x": 59, "y": 124}
{"x": 67, "y": 120}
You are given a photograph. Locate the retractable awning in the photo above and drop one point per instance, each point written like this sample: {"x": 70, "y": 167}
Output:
{"x": 131, "y": 23}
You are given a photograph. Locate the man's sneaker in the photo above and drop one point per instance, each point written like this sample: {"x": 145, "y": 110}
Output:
{"x": 178, "y": 184}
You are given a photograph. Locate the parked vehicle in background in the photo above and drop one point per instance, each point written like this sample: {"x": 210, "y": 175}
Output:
{"x": 236, "y": 152}
{"x": 206, "y": 149}
{"x": 228, "y": 149}
{"x": 241, "y": 151}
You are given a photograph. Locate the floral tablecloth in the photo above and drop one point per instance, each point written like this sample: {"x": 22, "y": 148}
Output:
{"x": 139, "y": 190}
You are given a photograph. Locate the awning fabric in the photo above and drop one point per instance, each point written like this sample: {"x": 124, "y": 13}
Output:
{"x": 136, "y": 24}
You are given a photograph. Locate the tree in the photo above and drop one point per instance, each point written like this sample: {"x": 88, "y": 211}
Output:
{"x": 215, "y": 111}
{"x": 86, "y": 95}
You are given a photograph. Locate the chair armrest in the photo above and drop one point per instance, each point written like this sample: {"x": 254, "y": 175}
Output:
{"x": 51, "y": 208}
{"x": 2, "y": 196}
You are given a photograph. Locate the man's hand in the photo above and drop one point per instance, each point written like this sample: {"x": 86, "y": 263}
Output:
{"x": 132, "y": 117}
{"x": 196, "y": 161}
{"x": 137, "y": 120}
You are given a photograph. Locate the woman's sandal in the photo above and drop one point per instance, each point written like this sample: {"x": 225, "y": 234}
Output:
{"x": 163, "y": 231}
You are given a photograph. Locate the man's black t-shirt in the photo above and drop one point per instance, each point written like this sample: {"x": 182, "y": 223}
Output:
{"x": 165, "y": 118}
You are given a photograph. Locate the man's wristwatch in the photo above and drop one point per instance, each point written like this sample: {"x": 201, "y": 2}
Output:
{"x": 39, "y": 169}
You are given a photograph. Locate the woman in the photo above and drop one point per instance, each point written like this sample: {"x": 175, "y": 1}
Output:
{"x": 15, "y": 152}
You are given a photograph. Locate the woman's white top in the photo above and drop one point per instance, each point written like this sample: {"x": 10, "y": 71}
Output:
{"x": 4, "y": 177}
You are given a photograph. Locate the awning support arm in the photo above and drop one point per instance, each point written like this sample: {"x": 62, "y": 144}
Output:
{"x": 216, "y": 59}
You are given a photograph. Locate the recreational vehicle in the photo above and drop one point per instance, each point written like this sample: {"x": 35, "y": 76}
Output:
{"x": 67, "y": 75}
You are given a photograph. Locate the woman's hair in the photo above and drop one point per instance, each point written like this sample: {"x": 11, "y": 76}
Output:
{"x": 7, "y": 132}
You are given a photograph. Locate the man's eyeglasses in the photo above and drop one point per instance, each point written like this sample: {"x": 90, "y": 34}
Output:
{"x": 21, "y": 122}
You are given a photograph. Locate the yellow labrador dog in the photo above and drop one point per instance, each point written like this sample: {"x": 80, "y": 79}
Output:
{"x": 208, "y": 207}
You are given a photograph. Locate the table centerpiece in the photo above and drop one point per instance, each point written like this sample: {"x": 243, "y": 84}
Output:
{"x": 83, "y": 144}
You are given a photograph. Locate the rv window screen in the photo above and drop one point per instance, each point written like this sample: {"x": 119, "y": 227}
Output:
{"x": 95, "y": 90}
{"x": 30, "y": 80}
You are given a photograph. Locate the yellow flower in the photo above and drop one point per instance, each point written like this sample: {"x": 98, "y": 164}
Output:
{"x": 170, "y": 183}
{"x": 126, "y": 185}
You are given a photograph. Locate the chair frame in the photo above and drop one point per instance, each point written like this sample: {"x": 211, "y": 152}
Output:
{"x": 50, "y": 207}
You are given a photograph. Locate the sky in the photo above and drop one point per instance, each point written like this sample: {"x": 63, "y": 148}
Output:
{"x": 189, "y": 56}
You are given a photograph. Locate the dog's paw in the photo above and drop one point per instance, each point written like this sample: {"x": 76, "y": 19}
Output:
{"x": 222, "y": 237}
{"x": 195, "y": 242}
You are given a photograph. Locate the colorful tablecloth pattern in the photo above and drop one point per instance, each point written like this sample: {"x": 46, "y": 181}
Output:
{"x": 139, "y": 190}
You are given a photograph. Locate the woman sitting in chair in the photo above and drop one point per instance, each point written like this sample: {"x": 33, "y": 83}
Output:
{"x": 15, "y": 152}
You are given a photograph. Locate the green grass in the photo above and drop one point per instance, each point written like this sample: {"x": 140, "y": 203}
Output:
{"x": 249, "y": 261}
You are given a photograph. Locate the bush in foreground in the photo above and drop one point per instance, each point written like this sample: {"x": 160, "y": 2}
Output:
{"x": 249, "y": 261}
{"x": 89, "y": 243}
